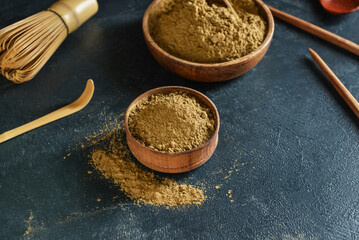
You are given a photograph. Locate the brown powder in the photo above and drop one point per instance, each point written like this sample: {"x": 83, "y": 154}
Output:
{"x": 142, "y": 185}
{"x": 171, "y": 122}
{"x": 115, "y": 163}
{"x": 206, "y": 31}
{"x": 32, "y": 226}
{"x": 29, "y": 228}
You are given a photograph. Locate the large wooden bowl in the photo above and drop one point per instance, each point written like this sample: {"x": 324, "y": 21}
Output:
{"x": 173, "y": 162}
{"x": 208, "y": 72}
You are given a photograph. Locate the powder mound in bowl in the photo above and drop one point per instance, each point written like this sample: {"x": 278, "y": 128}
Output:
{"x": 171, "y": 122}
{"x": 206, "y": 31}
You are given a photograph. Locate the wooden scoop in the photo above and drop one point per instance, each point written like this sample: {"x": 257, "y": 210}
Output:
{"x": 317, "y": 31}
{"x": 76, "y": 106}
{"x": 340, "y": 6}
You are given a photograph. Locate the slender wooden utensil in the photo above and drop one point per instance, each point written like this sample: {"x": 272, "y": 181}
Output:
{"x": 229, "y": 5}
{"x": 317, "y": 31}
{"x": 338, "y": 85}
{"x": 76, "y": 106}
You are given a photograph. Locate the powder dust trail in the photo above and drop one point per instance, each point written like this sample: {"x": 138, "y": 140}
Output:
{"x": 143, "y": 186}
{"x": 29, "y": 228}
{"x": 32, "y": 226}
{"x": 111, "y": 157}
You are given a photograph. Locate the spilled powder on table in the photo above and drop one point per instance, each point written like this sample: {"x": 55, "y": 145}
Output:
{"x": 227, "y": 173}
{"x": 112, "y": 158}
{"x": 143, "y": 186}
{"x": 29, "y": 228}
{"x": 32, "y": 226}
{"x": 229, "y": 195}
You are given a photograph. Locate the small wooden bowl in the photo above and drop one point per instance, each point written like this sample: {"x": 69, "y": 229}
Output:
{"x": 203, "y": 72}
{"x": 173, "y": 162}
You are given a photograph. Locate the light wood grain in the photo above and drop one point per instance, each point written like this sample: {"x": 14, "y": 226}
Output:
{"x": 74, "y": 107}
{"x": 173, "y": 162}
{"x": 338, "y": 85}
{"x": 317, "y": 31}
{"x": 203, "y": 72}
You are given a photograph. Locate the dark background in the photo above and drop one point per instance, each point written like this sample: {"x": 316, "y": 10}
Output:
{"x": 292, "y": 138}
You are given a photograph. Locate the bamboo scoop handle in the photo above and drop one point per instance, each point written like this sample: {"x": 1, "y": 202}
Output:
{"x": 317, "y": 31}
{"x": 338, "y": 85}
{"x": 76, "y": 106}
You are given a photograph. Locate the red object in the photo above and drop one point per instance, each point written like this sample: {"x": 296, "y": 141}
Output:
{"x": 340, "y": 6}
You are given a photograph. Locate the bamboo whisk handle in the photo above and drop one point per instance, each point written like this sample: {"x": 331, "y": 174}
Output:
{"x": 74, "y": 12}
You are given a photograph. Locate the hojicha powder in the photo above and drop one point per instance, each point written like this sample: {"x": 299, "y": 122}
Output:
{"x": 206, "y": 31}
{"x": 112, "y": 158}
{"x": 171, "y": 122}
{"x": 143, "y": 186}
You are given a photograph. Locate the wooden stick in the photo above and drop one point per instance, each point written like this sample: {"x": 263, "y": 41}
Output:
{"x": 76, "y": 106}
{"x": 341, "y": 89}
{"x": 317, "y": 31}
{"x": 229, "y": 5}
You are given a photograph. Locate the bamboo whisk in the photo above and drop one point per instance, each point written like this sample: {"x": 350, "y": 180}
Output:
{"x": 27, "y": 45}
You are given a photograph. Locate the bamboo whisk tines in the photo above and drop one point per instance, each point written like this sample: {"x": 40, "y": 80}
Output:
{"x": 27, "y": 45}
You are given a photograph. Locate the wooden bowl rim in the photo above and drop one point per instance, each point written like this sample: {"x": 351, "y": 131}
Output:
{"x": 241, "y": 60}
{"x": 165, "y": 89}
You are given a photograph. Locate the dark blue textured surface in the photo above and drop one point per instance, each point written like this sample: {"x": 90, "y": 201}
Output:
{"x": 292, "y": 138}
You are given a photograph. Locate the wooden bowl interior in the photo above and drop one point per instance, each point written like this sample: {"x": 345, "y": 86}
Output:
{"x": 205, "y": 100}
{"x": 156, "y": 7}
{"x": 162, "y": 157}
